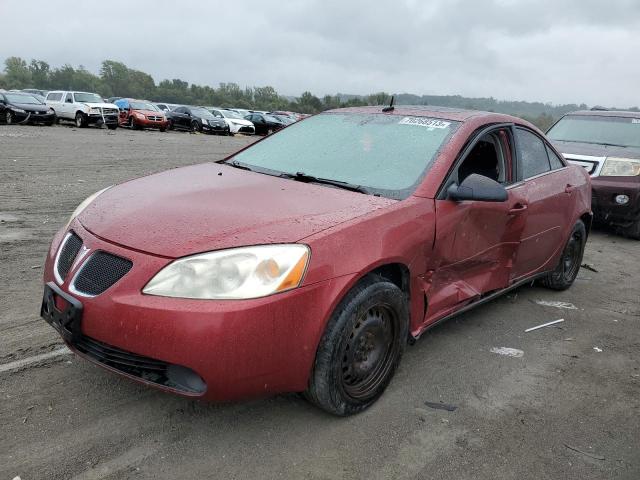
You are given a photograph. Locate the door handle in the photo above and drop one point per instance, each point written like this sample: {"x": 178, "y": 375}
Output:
{"x": 569, "y": 188}
{"x": 518, "y": 208}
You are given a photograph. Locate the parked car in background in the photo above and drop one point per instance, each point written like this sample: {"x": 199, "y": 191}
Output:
{"x": 607, "y": 145}
{"x": 236, "y": 123}
{"x": 259, "y": 277}
{"x": 287, "y": 120}
{"x": 196, "y": 119}
{"x": 265, "y": 124}
{"x": 166, "y": 107}
{"x": 19, "y": 107}
{"x": 240, "y": 111}
{"x": 36, "y": 91}
{"x": 139, "y": 114}
{"x": 83, "y": 108}
{"x": 112, "y": 99}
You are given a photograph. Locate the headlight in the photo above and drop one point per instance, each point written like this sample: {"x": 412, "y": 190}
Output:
{"x": 85, "y": 203}
{"x": 18, "y": 110}
{"x": 620, "y": 167}
{"x": 94, "y": 110}
{"x": 237, "y": 273}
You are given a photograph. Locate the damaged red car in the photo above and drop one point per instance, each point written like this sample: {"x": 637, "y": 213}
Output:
{"x": 309, "y": 260}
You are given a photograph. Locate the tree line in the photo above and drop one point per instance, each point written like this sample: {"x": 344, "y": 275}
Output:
{"x": 116, "y": 79}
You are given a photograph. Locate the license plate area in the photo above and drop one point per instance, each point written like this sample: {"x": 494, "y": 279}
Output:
{"x": 62, "y": 312}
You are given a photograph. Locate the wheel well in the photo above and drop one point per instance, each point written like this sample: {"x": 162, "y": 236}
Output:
{"x": 396, "y": 273}
{"x": 587, "y": 219}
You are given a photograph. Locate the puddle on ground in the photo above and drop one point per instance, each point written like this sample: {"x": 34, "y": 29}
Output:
{"x": 6, "y": 217}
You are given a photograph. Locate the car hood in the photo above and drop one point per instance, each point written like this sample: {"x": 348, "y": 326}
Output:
{"x": 240, "y": 121}
{"x": 30, "y": 107}
{"x": 595, "y": 150}
{"x": 213, "y": 206}
{"x": 151, "y": 113}
{"x": 100, "y": 105}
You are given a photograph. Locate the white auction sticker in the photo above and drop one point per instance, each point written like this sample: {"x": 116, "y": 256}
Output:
{"x": 429, "y": 123}
{"x": 635, "y": 120}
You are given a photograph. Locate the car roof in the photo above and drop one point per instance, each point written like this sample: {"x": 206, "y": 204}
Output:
{"x": 433, "y": 111}
{"x": 605, "y": 113}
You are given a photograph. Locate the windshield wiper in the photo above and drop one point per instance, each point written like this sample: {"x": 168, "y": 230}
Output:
{"x": 303, "y": 177}
{"x": 595, "y": 143}
{"x": 235, "y": 164}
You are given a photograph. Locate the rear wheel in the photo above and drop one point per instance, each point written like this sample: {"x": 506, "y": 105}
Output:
{"x": 570, "y": 260}
{"x": 361, "y": 348}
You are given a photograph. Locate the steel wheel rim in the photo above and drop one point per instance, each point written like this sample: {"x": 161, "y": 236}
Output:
{"x": 571, "y": 256}
{"x": 369, "y": 352}
{"x": 78, "y": 120}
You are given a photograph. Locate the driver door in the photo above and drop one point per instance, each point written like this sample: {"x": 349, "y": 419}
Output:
{"x": 476, "y": 242}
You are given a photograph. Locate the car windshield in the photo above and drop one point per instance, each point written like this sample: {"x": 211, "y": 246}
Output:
{"x": 88, "y": 97}
{"x": 597, "y": 129}
{"x": 22, "y": 98}
{"x": 271, "y": 118}
{"x": 385, "y": 154}
{"x": 202, "y": 113}
{"x": 144, "y": 106}
{"x": 229, "y": 114}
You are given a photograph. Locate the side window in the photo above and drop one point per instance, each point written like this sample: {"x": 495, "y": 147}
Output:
{"x": 490, "y": 157}
{"x": 69, "y": 98}
{"x": 555, "y": 162}
{"x": 533, "y": 154}
{"x": 179, "y": 110}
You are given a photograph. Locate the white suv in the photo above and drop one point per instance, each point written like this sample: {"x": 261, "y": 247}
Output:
{"x": 83, "y": 108}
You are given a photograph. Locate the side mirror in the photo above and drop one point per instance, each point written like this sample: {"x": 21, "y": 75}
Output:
{"x": 477, "y": 187}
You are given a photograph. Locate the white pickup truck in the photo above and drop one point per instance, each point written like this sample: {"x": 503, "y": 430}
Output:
{"x": 83, "y": 108}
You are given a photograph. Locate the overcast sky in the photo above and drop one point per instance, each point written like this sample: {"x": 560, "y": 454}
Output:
{"x": 556, "y": 51}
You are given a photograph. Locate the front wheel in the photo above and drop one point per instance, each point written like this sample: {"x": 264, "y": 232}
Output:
{"x": 361, "y": 348}
{"x": 81, "y": 120}
{"x": 632, "y": 231}
{"x": 570, "y": 260}
{"x": 112, "y": 126}
{"x": 195, "y": 126}
{"x": 8, "y": 117}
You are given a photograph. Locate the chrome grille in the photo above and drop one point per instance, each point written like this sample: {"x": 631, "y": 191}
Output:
{"x": 154, "y": 118}
{"x": 99, "y": 273}
{"x": 66, "y": 255}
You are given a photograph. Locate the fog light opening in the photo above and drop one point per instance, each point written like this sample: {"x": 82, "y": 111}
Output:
{"x": 622, "y": 199}
{"x": 185, "y": 379}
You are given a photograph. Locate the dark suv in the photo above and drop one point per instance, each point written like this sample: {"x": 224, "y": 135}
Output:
{"x": 607, "y": 144}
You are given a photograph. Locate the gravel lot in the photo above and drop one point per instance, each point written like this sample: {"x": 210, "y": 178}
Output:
{"x": 569, "y": 407}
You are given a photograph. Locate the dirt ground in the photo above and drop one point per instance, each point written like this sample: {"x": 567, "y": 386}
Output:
{"x": 568, "y": 408}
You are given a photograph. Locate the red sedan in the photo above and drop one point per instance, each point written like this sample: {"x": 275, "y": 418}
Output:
{"x": 307, "y": 261}
{"x": 140, "y": 114}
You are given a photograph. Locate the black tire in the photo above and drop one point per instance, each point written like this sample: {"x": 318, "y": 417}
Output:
{"x": 81, "y": 120}
{"x": 170, "y": 125}
{"x": 50, "y": 124}
{"x": 570, "y": 260}
{"x": 632, "y": 231}
{"x": 112, "y": 126}
{"x": 371, "y": 321}
{"x": 195, "y": 126}
{"x": 163, "y": 130}
{"x": 8, "y": 117}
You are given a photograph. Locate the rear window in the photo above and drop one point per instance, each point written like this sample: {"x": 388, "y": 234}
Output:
{"x": 387, "y": 154}
{"x": 55, "y": 97}
{"x": 599, "y": 130}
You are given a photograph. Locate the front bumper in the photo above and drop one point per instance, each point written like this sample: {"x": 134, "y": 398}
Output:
{"x": 215, "y": 128}
{"x": 240, "y": 349}
{"x": 31, "y": 117}
{"x": 606, "y": 210}
{"x": 97, "y": 119}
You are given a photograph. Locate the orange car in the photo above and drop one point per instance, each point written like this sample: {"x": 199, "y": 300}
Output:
{"x": 139, "y": 114}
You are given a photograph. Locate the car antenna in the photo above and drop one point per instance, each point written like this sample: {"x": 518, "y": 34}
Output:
{"x": 390, "y": 108}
